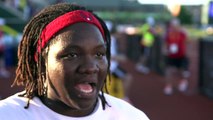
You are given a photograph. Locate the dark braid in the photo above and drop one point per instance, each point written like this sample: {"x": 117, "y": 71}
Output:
{"x": 29, "y": 73}
{"x": 108, "y": 43}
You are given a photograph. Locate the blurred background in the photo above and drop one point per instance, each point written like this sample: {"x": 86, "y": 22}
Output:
{"x": 129, "y": 19}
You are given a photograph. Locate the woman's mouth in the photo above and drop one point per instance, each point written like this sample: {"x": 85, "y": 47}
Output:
{"x": 85, "y": 90}
{"x": 84, "y": 87}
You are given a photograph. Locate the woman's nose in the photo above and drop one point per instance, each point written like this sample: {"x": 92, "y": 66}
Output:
{"x": 88, "y": 66}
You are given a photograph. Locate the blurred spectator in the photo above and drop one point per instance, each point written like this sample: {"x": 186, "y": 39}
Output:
{"x": 10, "y": 50}
{"x": 120, "y": 80}
{"x": 176, "y": 58}
{"x": 3, "y": 72}
{"x": 146, "y": 42}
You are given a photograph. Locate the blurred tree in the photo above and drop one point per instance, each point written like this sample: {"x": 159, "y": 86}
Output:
{"x": 185, "y": 16}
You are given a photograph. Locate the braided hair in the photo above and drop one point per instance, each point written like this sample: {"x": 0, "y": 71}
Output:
{"x": 31, "y": 74}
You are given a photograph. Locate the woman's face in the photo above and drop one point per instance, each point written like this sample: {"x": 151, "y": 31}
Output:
{"x": 76, "y": 66}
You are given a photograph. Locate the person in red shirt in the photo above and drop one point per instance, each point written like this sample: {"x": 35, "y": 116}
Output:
{"x": 176, "y": 58}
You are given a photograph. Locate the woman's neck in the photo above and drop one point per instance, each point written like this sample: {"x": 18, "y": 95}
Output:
{"x": 63, "y": 109}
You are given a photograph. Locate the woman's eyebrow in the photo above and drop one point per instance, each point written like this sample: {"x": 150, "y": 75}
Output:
{"x": 70, "y": 47}
{"x": 101, "y": 46}
{"x": 75, "y": 46}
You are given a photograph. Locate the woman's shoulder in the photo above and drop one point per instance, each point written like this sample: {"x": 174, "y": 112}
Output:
{"x": 12, "y": 107}
{"x": 118, "y": 103}
{"x": 124, "y": 108}
{"x": 13, "y": 100}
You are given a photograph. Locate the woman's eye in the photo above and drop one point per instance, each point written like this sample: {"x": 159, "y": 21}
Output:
{"x": 100, "y": 55}
{"x": 71, "y": 55}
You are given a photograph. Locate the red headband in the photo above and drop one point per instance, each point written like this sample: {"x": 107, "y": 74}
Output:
{"x": 63, "y": 21}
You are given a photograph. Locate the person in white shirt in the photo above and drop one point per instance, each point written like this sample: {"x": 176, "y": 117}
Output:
{"x": 64, "y": 58}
